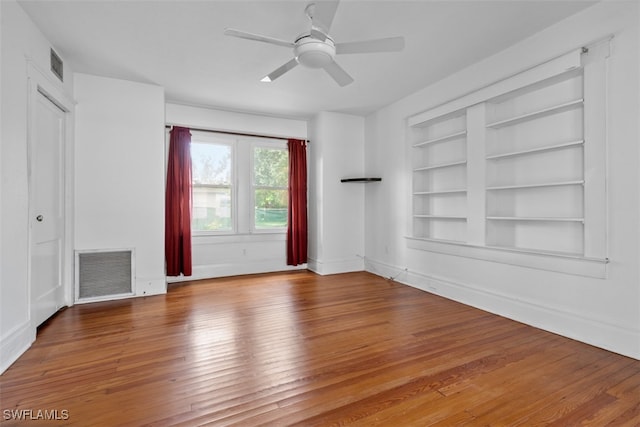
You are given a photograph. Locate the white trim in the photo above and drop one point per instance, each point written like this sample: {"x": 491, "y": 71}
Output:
{"x": 40, "y": 83}
{"x": 336, "y": 266}
{"x": 551, "y": 68}
{"x": 15, "y": 343}
{"x": 53, "y": 89}
{"x": 558, "y": 262}
{"x": 147, "y": 286}
{"x": 596, "y": 107}
{"x": 223, "y": 239}
{"x": 597, "y": 332}
{"x": 203, "y": 272}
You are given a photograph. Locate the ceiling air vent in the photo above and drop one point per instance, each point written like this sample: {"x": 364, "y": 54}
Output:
{"x": 56, "y": 65}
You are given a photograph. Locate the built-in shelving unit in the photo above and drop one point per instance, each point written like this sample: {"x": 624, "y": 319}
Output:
{"x": 516, "y": 171}
{"x": 535, "y": 171}
{"x": 439, "y": 156}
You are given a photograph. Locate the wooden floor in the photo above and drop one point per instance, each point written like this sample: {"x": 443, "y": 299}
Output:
{"x": 297, "y": 348}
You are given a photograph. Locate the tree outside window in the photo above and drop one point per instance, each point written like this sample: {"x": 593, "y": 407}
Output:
{"x": 211, "y": 187}
{"x": 270, "y": 183}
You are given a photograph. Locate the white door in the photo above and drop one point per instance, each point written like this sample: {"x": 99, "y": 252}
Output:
{"x": 47, "y": 209}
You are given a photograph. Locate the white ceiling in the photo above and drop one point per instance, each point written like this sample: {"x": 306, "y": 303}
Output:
{"x": 180, "y": 45}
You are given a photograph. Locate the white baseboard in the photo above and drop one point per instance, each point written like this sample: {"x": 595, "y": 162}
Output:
{"x": 625, "y": 341}
{"x": 201, "y": 272}
{"x": 15, "y": 343}
{"x": 335, "y": 266}
{"x": 150, "y": 286}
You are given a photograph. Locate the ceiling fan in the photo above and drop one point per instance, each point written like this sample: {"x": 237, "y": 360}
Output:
{"x": 316, "y": 49}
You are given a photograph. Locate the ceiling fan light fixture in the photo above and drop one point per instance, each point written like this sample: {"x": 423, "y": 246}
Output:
{"x": 316, "y": 48}
{"x": 314, "y": 53}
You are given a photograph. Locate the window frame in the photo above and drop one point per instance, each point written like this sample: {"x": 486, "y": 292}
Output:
{"x": 200, "y": 137}
{"x": 273, "y": 144}
{"x": 242, "y": 182}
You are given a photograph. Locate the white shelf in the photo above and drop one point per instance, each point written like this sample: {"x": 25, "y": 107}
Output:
{"x": 443, "y": 165}
{"x": 537, "y": 114}
{"x": 547, "y": 184}
{"x": 535, "y": 219}
{"x": 430, "y": 193}
{"x": 452, "y": 217}
{"x": 441, "y": 139}
{"x": 536, "y": 150}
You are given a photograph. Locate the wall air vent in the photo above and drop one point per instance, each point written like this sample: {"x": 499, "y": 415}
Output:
{"x": 104, "y": 274}
{"x": 57, "y": 66}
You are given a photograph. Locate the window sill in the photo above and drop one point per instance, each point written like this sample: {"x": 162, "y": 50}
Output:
{"x": 263, "y": 236}
{"x": 562, "y": 263}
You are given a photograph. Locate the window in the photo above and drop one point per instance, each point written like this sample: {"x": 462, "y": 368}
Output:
{"x": 270, "y": 192}
{"x": 239, "y": 184}
{"x": 211, "y": 186}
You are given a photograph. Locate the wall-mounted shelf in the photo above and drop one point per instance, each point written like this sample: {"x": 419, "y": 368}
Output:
{"x": 535, "y": 219}
{"x": 547, "y": 184}
{"x": 429, "y": 193}
{"x": 536, "y": 150}
{"x": 451, "y": 217}
{"x": 441, "y": 139}
{"x": 361, "y": 180}
{"x": 443, "y": 165}
{"x": 536, "y": 114}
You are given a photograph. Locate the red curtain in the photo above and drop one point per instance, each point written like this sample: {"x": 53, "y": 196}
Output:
{"x": 178, "y": 204}
{"x": 297, "y": 224}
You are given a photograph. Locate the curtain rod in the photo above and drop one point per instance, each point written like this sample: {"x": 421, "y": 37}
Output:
{"x": 227, "y": 132}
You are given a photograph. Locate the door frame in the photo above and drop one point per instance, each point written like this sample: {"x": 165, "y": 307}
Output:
{"x": 40, "y": 83}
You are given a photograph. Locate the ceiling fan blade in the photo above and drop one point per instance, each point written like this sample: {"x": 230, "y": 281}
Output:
{"x": 391, "y": 44}
{"x": 338, "y": 74}
{"x": 256, "y": 37}
{"x": 280, "y": 70}
{"x": 322, "y": 17}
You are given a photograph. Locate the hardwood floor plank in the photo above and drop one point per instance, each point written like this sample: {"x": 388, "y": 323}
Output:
{"x": 301, "y": 349}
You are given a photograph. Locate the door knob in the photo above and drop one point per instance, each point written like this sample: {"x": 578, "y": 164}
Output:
{"x": 39, "y": 218}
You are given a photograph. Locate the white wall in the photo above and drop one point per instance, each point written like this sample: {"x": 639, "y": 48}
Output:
{"x": 119, "y": 176}
{"x": 603, "y": 312}
{"x": 21, "y": 43}
{"x": 336, "y": 209}
{"x": 218, "y": 256}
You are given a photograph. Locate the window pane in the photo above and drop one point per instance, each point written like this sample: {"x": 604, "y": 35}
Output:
{"x": 211, "y": 163}
{"x": 271, "y": 208}
{"x": 271, "y": 167}
{"x": 211, "y": 209}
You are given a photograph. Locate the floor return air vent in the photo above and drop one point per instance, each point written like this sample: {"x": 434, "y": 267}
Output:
{"x": 104, "y": 274}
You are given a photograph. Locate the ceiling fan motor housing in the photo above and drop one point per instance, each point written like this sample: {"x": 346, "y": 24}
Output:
{"x": 314, "y": 53}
